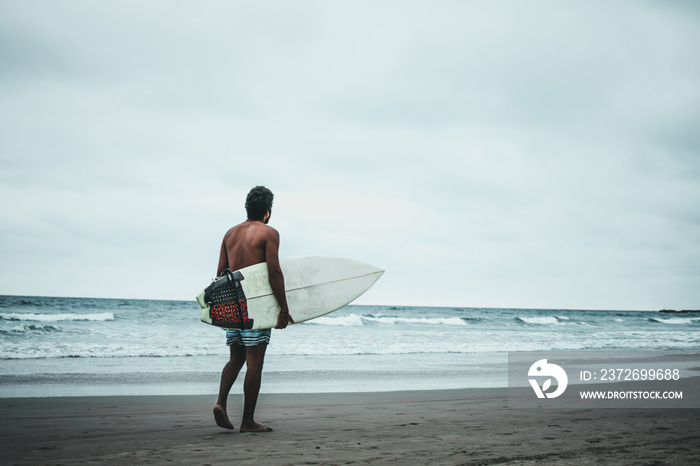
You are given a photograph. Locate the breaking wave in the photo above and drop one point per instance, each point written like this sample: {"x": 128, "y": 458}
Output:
{"x": 98, "y": 317}
{"x": 355, "y": 320}
{"x": 675, "y": 320}
{"x": 24, "y": 329}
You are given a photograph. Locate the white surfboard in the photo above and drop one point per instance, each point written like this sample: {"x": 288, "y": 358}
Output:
{"x": 314, "y": 285}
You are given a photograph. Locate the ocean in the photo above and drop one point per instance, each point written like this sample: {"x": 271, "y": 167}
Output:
{"x": 82, "y": 346}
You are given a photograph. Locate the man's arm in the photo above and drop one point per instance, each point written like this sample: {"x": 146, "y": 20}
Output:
{"x": 276, "y": 278}
{"x": 223, "y": 259}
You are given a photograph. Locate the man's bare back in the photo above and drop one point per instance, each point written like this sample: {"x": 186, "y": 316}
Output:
{"x": 250, "y": 243}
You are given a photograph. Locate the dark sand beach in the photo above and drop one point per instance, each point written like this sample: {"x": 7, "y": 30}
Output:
{"x": 450, "y": 427}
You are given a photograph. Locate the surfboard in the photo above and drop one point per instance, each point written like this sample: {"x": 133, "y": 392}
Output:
{"x": 314, "y": 285}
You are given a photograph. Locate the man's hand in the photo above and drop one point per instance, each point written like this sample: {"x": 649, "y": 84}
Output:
{"x": 284, "y": 319}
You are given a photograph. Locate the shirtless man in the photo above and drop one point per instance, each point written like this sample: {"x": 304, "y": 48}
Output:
{"x": 249, "y": 243}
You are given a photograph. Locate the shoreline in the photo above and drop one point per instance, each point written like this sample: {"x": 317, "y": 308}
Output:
{"x": 309, "y": 374}
{"x": 463, "y": 426}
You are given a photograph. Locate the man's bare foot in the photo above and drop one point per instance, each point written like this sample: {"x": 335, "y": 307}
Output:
{"x": 221, "y": 418}
{"x": 255, "y": 427}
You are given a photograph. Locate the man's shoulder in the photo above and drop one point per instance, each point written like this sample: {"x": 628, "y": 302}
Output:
{"x": 269, "y": 231}
{"x": 233, "y": 230}
{"x": 258, "y": 229}
{"x": 261, "y": 229}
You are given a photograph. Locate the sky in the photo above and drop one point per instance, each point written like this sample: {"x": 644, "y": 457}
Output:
{"x": 526, "y": 154}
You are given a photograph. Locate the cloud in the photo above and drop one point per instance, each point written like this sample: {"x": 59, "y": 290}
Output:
{"x": 538, "y": 154}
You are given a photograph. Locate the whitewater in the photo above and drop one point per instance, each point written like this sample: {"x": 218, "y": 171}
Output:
{"x": 61, "y": 346}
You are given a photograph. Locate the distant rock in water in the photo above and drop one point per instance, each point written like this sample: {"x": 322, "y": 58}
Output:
{"x": 680, "y": 312}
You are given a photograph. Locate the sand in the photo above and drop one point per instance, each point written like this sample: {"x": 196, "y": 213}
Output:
{"x": 451, "y": 427}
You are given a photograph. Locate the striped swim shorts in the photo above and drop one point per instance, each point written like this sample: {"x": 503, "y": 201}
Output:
{"x": 247, "y": 337}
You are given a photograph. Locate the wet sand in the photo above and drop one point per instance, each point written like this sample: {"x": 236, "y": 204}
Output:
{"x": 450, "y": 427}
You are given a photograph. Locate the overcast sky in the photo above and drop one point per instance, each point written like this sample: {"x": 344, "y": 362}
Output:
{"x": 485, "y": 153}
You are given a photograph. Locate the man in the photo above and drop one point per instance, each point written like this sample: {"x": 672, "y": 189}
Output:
{"x": 249, "y": 243}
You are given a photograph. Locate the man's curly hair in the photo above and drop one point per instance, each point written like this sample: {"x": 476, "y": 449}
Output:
{"x": 258, "y": 202}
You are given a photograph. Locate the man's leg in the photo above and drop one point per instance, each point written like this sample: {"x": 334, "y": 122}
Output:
{"x": 251, "y": 387}
{"x": 228, "y": 377}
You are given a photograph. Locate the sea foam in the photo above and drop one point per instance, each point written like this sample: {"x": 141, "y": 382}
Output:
{"x": 355, "y": 320}
{"x": 675, "y": 320}
{"x": 98, "y": 317}
{"x": 540, "y": 320}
